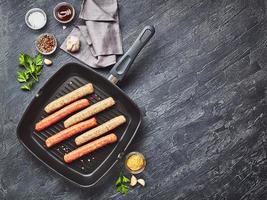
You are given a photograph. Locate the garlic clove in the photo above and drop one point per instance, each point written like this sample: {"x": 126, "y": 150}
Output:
{"x": 47, "y": 62}
{"x": 141, "y": 182}
{"x": 133, "y": 181}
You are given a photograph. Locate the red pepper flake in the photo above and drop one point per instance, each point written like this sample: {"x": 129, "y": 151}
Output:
{"x": 46, "y": 43}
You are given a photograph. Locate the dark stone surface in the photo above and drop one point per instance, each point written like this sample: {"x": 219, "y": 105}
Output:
{"x": 201, "y": 85}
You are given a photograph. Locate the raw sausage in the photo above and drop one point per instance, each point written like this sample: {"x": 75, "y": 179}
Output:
{"x": 90, "y": 111}
{"x": 57, "y": 116}
{"x": 90, "y": 147}
{"x": 69, "y": 132}
{"x": 68, "y": 98}
{"x": 100, "y": 130}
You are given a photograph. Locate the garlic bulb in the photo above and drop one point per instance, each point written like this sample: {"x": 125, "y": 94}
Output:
{"x": 73, "y": 44}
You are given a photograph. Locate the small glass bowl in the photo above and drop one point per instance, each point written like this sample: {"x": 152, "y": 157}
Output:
{"x": 39, "y": 37}
{"x": 63, "y": 4}
{"x": 132, "y": 171}
{"x": 32, "y": 11}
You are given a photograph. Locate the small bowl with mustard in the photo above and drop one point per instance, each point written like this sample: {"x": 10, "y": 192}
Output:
{"x": 135, "y": 162}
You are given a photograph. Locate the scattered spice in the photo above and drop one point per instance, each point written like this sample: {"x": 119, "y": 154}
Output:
{"x": 46, "y": 43}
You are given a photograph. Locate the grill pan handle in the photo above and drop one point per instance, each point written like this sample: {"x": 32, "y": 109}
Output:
{"x": 123, "y": 65}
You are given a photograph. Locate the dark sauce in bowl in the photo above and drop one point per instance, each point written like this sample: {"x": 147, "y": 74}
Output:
{"x": 64, "y": 12}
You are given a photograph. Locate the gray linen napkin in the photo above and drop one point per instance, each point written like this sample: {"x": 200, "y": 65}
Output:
{"x": 100, "y": 36}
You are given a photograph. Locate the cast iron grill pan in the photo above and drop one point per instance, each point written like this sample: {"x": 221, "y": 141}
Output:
{"x": 88, "y": 170}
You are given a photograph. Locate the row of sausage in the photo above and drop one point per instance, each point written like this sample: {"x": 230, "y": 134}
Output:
{"x": 80, "y": 122}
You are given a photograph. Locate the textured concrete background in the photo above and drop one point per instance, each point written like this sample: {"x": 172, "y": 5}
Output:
{"x": 200, "y": 83}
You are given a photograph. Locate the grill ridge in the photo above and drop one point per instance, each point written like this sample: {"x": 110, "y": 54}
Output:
{"x": 58, "y": 151}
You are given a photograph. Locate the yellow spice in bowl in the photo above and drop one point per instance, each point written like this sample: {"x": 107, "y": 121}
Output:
{"x": 135, "y": 162}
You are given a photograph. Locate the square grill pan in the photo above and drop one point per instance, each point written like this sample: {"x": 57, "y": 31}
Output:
{"x": 88, "y": 170}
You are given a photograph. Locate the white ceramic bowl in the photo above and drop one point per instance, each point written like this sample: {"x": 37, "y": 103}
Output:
{"x": 32, "y": 11}
{"x": 46, "y": 53}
